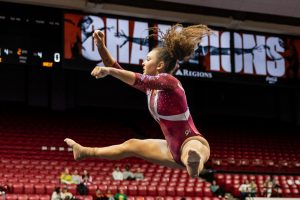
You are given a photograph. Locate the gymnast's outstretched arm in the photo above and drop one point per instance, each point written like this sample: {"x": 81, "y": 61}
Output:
{"x": 121, "y": 74}
{"x": 134, "y": 79}
{"x": 108, "y": 60}
{"x": 161, "y": 81}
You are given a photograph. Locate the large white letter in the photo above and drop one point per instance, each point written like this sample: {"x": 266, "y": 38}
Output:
{"x": 113, "y": 42}
{"x": 214, "y": 59}
{"x": 89, "y": 49}
{"x": 225, "y": 59}
{"x": 277, "y": 67}
{"x": 260, "y": 56}
{"x": 124, "y": 50}
{"x": 249, "y": 44}
{"x": 139, "y": 52}
{"x": 238, "y": 54}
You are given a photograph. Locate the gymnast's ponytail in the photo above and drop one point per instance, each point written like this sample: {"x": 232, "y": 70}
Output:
{"x": 178, "y": 43}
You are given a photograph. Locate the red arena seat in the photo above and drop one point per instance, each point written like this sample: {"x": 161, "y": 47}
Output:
{"x": 18, "y": 188}
{"x": 142, "y": 190}
{"x": 189, "y": 191}
{"x": 132, "y": 190}
{"x": 171, "y": 191}
{"x": 33, "y": 197}
{"x": 23, "y": 197}
{"x": 50, "y": 188}
{"x": 29, "y": 188}
{"x": 151, "y": 190}
{"x": 44, "y": 197}
{"x": 150, "y": 198}
{"x": 113, "y": 189}
{"x": 180, "y": 191}
{"x": 39, "y": 188}
{"x": 161, "y": 191}
{"x": 198, "y": 191}
{"x": 11, "y": 197}
{"x": 207, "y": 192}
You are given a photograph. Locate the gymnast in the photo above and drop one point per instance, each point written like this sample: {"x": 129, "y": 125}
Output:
{"x": 184, "y": 147}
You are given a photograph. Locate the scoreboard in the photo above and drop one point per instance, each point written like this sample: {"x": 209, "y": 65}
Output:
{"x": 30, "y": 35}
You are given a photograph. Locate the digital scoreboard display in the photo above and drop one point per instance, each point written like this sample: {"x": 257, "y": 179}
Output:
{"x": 30, "y": 35}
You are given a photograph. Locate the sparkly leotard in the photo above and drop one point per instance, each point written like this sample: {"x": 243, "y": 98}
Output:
{"x": 168, "y": 105}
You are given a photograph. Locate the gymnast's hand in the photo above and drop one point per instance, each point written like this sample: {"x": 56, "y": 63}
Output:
{"x": 99, "y": 38}
{"x": 100, "y": 72}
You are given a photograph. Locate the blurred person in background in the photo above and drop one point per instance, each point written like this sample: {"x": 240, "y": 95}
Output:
{"x": 66, "y": 177}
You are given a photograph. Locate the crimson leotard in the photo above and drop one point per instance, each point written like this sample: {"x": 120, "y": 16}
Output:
{"x": 168, "y": 105}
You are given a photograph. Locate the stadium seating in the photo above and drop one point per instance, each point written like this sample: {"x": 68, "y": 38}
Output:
{"x": 34, "y": 155}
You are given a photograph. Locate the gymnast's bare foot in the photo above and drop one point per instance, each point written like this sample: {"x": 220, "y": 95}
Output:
{"x": 77, "y": 148}
{"x": 193, "y": 162}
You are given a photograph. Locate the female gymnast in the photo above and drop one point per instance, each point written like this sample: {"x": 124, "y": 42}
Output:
{"x": 184, "y": 147}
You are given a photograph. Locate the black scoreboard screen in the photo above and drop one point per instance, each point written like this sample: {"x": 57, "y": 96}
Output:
{"x": 30, "y": 35}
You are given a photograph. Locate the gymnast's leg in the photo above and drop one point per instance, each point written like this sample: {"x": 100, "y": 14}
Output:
{"x": 195, "y": 152}
{"x": 152, "y": 150}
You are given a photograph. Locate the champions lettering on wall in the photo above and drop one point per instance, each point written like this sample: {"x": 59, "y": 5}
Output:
{"x": 223, "y": 54}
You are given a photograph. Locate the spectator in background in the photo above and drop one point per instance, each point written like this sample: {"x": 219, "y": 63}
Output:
{"x": 216, "y": 162}
{"x": 228, "y": 196}
{"x": 83, "y": 186}
{"x": 66, "y": 177}
{"x": 99, "y": 195}
{"x": 127, "y": 174}
{"x": 56, "y": 194}
{"x": 65, "y": 194}
{"x": 76, "y": 178}
{"x": 252, "y": 189}
{"x": 277, "y": 191}
{"x": 216, "y": 189}
{"x": 86, "y": 178}
{"x": 297, "y": 181}
{"x": 290, "y": 181}
{"x": 138, "y": 175}
{"x": 268, "y": 187}
{"x": 109, "y": 195}
{"x": 244, "y": 189}
{"x": 82, "y": 189}
{"x": 117, "y": 174}
{"x": 120, "y": 195}
{"x": 3, "y": 190}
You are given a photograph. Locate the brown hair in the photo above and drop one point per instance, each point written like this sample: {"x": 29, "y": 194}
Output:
{"x": 178, "y": 43}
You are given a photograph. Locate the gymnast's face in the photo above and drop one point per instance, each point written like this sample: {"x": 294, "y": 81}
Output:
{"x": 150, "y": 64}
